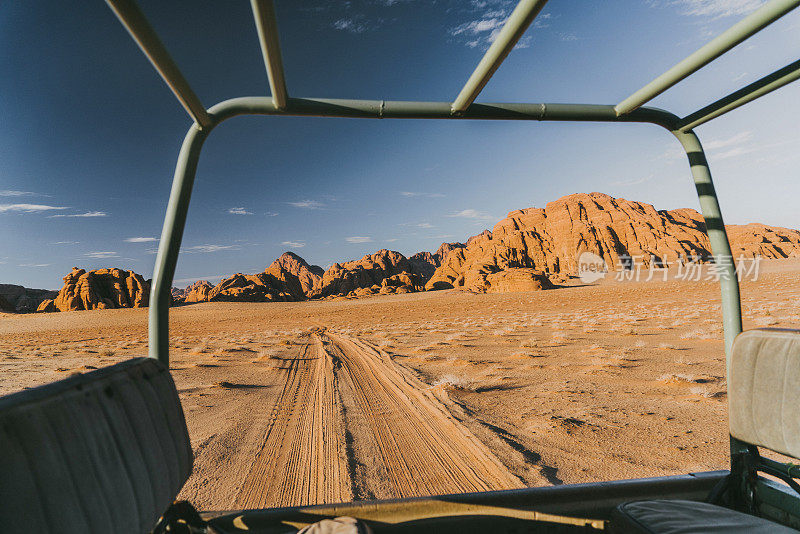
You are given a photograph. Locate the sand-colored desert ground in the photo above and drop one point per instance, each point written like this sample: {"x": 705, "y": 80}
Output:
{"x": 427, "y": 393}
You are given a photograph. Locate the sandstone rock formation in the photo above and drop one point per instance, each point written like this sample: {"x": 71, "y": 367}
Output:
{"x": 47, "y": 306}
{"x": 371, "y": 270}
{"x": 260, "y": 287}
{"x": 197, "y": 292}
{"x": 516, "y": 279}
{"x": 427, "y": 263}
{"x": 23, "y": 299}
{"x": 100, "y": 289}
{"x": 551, "y": 239}
{"x": 770, "y": 242}
{"x": 289, "y": 263}
{"x": 525, "y": 251}
{"x": 5, "y": 306}
{"x": 403, "y": 283}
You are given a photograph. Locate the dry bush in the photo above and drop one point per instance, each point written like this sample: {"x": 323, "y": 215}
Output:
{"x": 677, "y": 378}
{"x": 530, "y": 343}
{"x": 698, "y": 334}
{"x": 457, "y": 382}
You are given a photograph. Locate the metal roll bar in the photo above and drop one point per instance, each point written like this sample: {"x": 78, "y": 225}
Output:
{"x": 746, "y": 94}
{"x": 267, "y": 27}
{"x": 519, "y": 20}
{"x": 462, "y": 108}
{"x": 145, "y": 36}
{"x": 750, "y": 25}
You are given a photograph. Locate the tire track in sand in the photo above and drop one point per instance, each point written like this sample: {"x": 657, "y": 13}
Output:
{"x": 423, "y": 449}
{"x": 302, "y": 458}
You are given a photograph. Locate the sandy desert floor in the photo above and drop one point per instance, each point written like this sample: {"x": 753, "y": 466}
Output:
{"x": 428, "y": 393}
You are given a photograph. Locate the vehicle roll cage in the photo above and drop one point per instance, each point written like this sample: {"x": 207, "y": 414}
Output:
{"x": 463, "y": 107}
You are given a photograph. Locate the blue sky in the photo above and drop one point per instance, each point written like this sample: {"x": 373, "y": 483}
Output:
{"x": 91, "y": 133}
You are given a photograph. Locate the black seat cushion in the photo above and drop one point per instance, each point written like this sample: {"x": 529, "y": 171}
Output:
{"x": 102, "y": 452}
{"x": 687, "y": 517}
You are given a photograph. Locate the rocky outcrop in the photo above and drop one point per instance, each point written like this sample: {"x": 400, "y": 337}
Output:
{"x": 197, "y": 292}
{"x": 769, "y": 242}
{"x": 551, "y": 239}
{"x": 426, "y": 263}
{"x": 47, "y": 306}
{"x": 300, "y": 277}
{"x": 260, "y": 287}
{"x": 5, "y": 306}
{"x": 516, "y": 279}
{"x": 21, "y": 299}
{"x": 371, "y": 270}
{"x": 403, "y": 283}
{"x": 100, "y": 289}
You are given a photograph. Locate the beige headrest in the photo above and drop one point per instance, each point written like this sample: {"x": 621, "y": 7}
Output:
{"x": 764, "y": 389}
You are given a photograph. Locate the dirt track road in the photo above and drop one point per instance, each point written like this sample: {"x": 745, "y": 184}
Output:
{"x": 351, "y": 424}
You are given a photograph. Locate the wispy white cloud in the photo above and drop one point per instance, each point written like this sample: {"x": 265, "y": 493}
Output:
{"x": 65, "y": 243}
{"x": 481, "y": 31}
{"x": 737, "y": 139}
{"x": 29, "y": 208}
{"x": 33, "y": 264}
{"x": 358, "y": 239}
{"x": 293, "y": 244}
{"x": 141, "y": 239}
{"x": 102, "y": 255}
{"x": 209, "y": 248}
{"x": 717, "y": 8}
{"x": 352, "y": 25}
{"x": 271, "y": 214}
{"x": 718, "y": 148}
{"x": 13, "y": 193}
{"x": 307, "y": 204}
{"x": 472, "y": 214}
{"x": 424, "y": 225}
{"x": 239, "y": 211}
{"x": 392, "y": 240}
{"x": 87, "y": 214}
{"x": 488, "y": 19}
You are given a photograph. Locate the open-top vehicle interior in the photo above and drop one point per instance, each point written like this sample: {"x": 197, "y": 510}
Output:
{"x": 109, "y": 450}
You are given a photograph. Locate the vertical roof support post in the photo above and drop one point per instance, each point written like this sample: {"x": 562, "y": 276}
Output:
{"x": 720, "y": 246}
{"x": 753, "y": 23}
{"x": 170, "y": 244}
{"x": 723, "y": 257}
{"x": 512, "y": 31}
{"x": 267, "y": 27}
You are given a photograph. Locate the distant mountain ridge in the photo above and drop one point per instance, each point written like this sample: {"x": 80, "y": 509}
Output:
{"x": 527, "y": 250}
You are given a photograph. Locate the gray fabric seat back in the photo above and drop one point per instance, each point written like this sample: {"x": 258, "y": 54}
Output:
{"x": 102, "y": 452}
{"x": 764, "y": 389}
